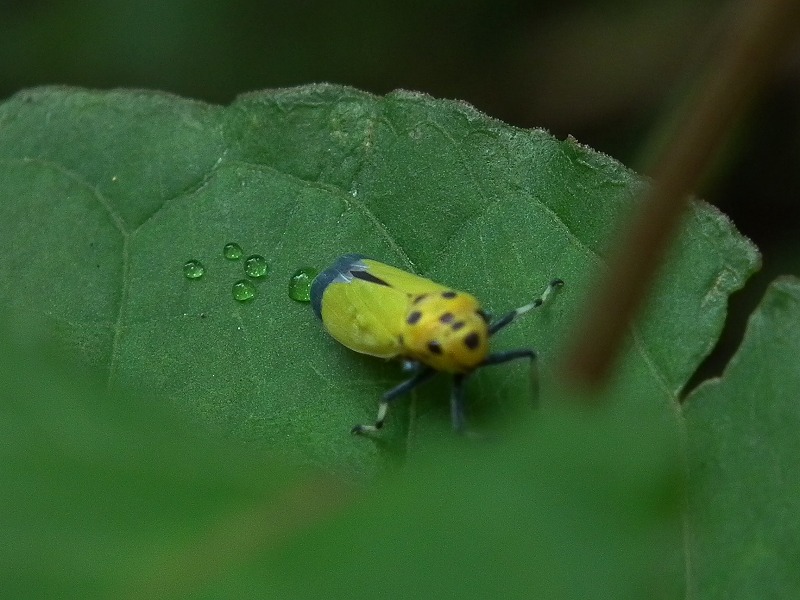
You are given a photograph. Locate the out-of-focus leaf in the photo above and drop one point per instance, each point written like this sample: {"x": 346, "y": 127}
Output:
{"x": 570, "y": 508}
{"x": 105, "y": 497}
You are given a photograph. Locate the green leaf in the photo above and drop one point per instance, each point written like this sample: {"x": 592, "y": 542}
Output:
{"x": 107, "y": 194}
{"x": 744, "y": 454}
{"x": 568, "y": 509}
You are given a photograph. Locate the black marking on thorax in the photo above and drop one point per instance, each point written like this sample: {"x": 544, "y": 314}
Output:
{"x": 414, "y": 317}
{"x": 472, "y": 340}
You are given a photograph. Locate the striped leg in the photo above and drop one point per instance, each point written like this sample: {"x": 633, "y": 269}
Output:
{"x": 420, "y": 377}
{"x": 507, "y": 319}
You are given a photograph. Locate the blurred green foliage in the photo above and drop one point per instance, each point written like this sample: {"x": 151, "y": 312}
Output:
{"x": 568, "y": 66}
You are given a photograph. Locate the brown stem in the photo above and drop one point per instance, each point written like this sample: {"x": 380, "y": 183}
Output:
{"x": 755, "y": 43}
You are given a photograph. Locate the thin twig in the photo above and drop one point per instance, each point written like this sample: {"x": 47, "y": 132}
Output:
{"x": 756, "y": 41}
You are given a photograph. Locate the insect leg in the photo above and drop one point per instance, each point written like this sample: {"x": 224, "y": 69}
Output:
{"x": 502, "y": 357}
{"x": 420, "y": 377}
{"x": 457, "y": 402}
{"x": 506, "y": 319}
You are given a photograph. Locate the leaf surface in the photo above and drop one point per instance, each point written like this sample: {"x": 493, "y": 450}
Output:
{"x": 745, "y": 461}
{"x": 107, "y": 194}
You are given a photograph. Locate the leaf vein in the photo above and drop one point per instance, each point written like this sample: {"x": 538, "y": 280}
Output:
{"x": 116, "y": 219}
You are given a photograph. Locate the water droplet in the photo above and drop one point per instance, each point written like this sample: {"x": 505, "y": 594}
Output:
{"x": 232, "y": 251}
{"x": 193, "y": 269}
{"x": 256, "y": 266}
{"x": 244, "y": 290}
{"x": 300, "y": 284}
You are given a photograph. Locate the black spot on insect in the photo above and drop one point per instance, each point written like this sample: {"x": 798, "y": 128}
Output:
{"x": 420, "y": 298}
{"x": 414, "y": 317}
{"x": 447, "y": 318}
{"x": 435, "y": 347}
{"x": 483, "y": 315}
{"x": 449, "y": 295}
{"x": 367, "y": 276}
{"x": 472, "y": 341}
{"x": 457, "y": 325}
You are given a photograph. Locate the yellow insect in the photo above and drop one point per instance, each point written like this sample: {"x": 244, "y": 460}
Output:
{"x": 383, "y": 311}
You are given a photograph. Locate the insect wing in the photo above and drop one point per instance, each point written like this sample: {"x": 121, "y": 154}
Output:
{"x": 403, "y": 281}
{"x": 364, "y": 316}
{"x": 363, "y": 303}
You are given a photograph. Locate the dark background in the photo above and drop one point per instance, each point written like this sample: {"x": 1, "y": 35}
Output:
{"x": 610, "y": 73}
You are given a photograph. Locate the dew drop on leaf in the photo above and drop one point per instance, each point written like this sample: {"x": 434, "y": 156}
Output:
{"x": 244, "y": 290}
{"x": 232, "y": 251}
{"x": 193, "y": 269}
{"x": 256, "y": 266}
{"x": 300, "y": 284}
